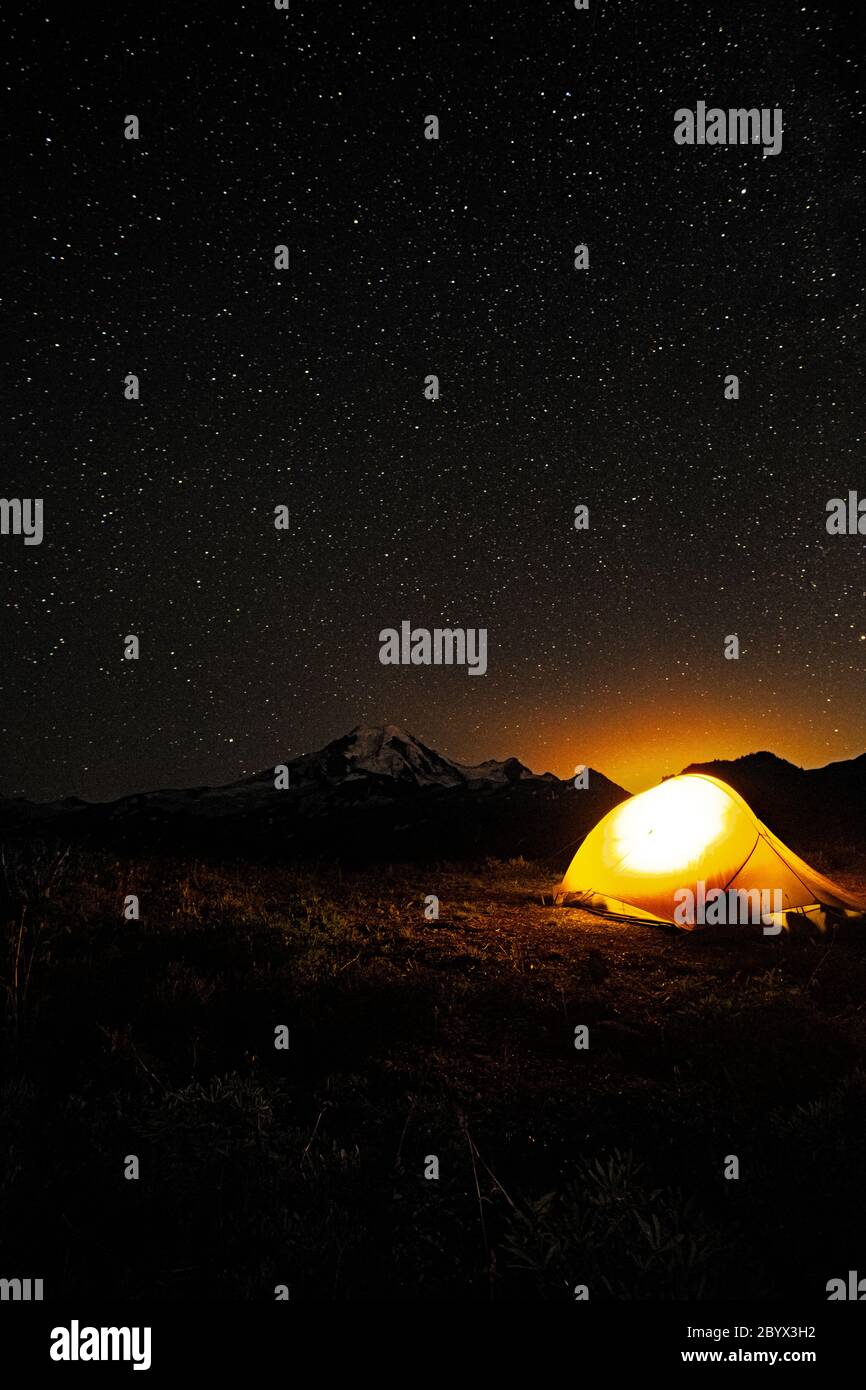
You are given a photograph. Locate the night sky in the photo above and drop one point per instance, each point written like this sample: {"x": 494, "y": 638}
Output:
{"x": 306, "y": 387}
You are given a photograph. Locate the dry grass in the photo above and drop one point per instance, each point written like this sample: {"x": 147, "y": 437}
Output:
{"x": 411, "y": 1038}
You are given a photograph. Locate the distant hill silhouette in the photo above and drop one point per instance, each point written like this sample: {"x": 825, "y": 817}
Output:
{"x": 806, "y": 807}
{"x": 377, "y": 793}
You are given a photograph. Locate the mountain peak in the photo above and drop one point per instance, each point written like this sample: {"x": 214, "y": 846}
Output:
{"x": 388, "y": 751}
{"x": 381, "y": 750}
{"x": 384, "y": 731}
{"x": 762, "y": 761}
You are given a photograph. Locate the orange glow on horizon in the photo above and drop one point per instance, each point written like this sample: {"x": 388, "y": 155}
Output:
{"x": 637, "y": 748}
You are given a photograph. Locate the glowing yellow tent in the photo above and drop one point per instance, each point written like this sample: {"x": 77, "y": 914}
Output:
{"x": 691, "y": 851}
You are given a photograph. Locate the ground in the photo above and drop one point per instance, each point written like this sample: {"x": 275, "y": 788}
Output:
{"x": 411, "y": 1041}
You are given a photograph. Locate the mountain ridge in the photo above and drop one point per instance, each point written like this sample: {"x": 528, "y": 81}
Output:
{"x": 804, "y": 806}
{"x": 378, "y": 791}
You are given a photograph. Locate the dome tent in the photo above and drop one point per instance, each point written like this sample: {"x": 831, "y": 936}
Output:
{"x": 656, "y": 856}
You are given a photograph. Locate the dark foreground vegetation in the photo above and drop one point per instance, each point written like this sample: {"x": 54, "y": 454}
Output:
{"x": 409, "y": 1039}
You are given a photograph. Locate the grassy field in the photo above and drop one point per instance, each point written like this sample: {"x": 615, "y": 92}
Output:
{"x": 410, "y": 1039}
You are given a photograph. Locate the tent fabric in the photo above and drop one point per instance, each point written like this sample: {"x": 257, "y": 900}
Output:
{"x": 689, "y": 831}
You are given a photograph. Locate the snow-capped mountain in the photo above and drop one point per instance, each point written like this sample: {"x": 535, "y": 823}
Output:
{"x": 377, "y": 792}
{"x": 371, "y": 752}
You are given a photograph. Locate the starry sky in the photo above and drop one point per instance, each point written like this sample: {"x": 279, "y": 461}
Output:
{"x": 305, "y": 387}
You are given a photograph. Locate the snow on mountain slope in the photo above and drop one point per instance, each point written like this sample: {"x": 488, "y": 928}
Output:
{"x": 386, "y": 752}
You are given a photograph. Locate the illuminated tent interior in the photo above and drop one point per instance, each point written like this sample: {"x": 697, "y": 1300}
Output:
{"x": 686, "y": 831}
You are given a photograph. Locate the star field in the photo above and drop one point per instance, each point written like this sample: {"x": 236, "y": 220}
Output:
{"x": 304, "y": 387}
